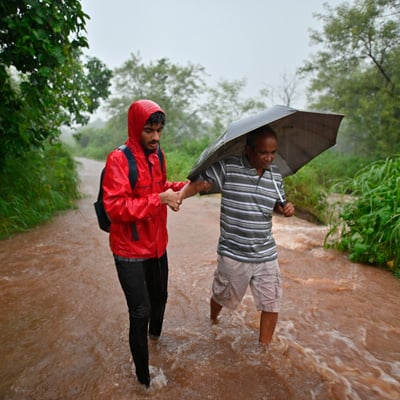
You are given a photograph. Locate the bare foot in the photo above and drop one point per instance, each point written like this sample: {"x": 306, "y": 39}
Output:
{"x": 263, "y": 347}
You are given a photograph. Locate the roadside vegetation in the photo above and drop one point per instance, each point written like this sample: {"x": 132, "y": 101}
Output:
{"x": 46, "y": 83}
{"x": 369, "y": 225}
{"x": 355, "y": 72}
{"x": 35, "y": 187}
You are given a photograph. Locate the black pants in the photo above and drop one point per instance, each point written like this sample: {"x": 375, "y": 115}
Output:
{"x": 145, "y": 285}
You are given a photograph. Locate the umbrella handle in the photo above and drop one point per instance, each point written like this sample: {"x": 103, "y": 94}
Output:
{"x": 282, "y": 200}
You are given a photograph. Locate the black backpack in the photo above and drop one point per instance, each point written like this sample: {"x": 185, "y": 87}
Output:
{"x": 102, "y": 217}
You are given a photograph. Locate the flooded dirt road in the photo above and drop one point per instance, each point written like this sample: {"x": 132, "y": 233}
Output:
{"x": 64, "y": 321}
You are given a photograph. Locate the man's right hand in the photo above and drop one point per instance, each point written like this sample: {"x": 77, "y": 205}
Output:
{"x": 171, "y": 199}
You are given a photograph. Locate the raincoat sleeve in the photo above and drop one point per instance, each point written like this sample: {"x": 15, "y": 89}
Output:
{"x": 120, "y": 205}
{"x": 175, "y": 186}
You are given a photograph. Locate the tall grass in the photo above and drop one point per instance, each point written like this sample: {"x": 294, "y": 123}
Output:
{"x": 369, "y": 225}
{"x": 36, "y": 186}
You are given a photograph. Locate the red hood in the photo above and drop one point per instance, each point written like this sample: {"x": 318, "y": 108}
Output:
{"x": 139, "y": 112}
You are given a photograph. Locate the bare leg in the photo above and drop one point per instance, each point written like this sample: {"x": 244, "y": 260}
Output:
{"x": 215, "y": 309}
{"x": 268, "y": 322}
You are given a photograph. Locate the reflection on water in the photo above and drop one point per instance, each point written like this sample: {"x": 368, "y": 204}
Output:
{"x": 64, "y": 323}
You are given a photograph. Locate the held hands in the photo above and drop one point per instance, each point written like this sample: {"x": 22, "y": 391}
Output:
{"x": 174, "y": 199}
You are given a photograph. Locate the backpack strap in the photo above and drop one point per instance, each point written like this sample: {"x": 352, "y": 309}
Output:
{"x": 133, "y": 173}
{"x": 102, "y": 217}
{"x": 160, "y": 157}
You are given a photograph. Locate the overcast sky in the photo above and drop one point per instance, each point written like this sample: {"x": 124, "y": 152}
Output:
{"x": 260, "y": 40}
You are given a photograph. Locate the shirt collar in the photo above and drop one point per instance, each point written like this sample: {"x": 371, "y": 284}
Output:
{"x": 246, "y": 164}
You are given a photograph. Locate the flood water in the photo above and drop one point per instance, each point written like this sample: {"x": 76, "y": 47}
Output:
{"x": 64, "y": 321}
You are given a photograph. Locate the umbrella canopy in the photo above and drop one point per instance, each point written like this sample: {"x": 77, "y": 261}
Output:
{"x": 302, "y": 135}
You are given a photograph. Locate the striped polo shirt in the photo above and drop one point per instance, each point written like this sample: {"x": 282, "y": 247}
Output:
{"x": 247, "y": 204}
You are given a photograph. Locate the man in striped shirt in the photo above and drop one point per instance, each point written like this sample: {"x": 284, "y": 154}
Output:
{"x": 252, "y": 189}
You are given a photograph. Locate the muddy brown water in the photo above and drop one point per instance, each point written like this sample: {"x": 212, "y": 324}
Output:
{"x": 64, "y": 321}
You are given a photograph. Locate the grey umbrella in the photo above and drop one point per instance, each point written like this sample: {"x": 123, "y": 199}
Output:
{"x": 302, "y": 135}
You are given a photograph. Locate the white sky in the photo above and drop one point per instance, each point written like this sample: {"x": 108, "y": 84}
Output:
{"x": 260, "y": 40}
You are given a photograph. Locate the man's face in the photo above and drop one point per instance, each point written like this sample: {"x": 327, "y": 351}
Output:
{"x": 263, "y": 153}
{"x": 151, "y": 135}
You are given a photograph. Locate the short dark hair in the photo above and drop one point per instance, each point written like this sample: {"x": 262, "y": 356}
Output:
{"x": 156, "y": 118}
{"x": 252, "y": 136}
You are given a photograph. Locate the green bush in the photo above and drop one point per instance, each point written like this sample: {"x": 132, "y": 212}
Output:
{"x": 308, "y": 196}
{"x": 332, "y": 167}
{"x": 310, "y": 188}
{"x": 36, "y": 186}
{"x": 369, "y": 225}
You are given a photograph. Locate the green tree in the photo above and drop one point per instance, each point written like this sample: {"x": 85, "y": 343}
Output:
{"x": 357, "y": 73}
{"x": 44, "y": 84}
{"x": 195, "y": 112}
{"x": 176, "y": 88}
{"x": 225, "y": 105}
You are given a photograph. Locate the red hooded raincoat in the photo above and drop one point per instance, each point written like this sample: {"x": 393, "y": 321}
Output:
{"x": 142, "y": 206}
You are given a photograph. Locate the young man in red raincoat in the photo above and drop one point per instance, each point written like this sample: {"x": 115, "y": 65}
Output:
{"x": 138, "y": 231}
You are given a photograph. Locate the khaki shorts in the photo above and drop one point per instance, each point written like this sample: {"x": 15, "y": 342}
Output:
{"x": 231, "y": 279}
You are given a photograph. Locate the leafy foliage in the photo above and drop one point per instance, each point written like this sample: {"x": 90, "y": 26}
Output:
{"x": 181, "y": 161}
{"x": 357, "y": 73}
{"x": 193, "y": 110}
{"x": 176, "y": 88}
{"x": 369, "y": 225}
{"x": 333, "y": 167}
{"x": 44, "y": 85}
{"x": 310, "y": 188}
{"x": 309, "y": 197}
{"x": 225, "y": 104}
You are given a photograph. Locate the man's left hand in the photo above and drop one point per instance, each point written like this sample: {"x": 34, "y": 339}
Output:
{"x": 287, "y": 210}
